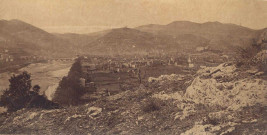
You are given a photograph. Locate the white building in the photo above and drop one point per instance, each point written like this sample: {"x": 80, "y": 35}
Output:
{"x": 190, "y": 64}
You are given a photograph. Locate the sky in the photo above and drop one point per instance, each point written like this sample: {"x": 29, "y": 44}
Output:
{"x": 85, "y": 16}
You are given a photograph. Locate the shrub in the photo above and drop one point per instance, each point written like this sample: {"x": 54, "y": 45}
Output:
{"x": 19, "y": 95}
{"x": 151, "y": 105}
{"x": 246, "y": 56}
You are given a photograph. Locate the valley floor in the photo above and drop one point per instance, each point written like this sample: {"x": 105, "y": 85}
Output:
{"x": 215, "y": 100}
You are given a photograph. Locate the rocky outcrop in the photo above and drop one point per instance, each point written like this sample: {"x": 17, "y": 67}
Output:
{"x": 224, "y": 89}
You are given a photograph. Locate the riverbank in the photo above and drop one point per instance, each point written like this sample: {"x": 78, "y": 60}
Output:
{"x": 14, "y": 66}
{"x": 47, "y": 75}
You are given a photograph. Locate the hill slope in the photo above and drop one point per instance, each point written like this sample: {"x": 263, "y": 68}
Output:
{"x": 220, "y": 36}
{"x": 18, "y": 34}
{"x": 78, "y": 41}
{"x": 178, "y": 36}
{"x": 174, "y": 37}
{"x": 229, "y": 101}
{"x": 128, "y": 41}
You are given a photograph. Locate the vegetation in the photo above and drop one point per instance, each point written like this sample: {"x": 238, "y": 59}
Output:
{"x": 70, "y": 89}
{"x": 20, "y": 95}
{"x": 247, "y": 56}
{"x": 151, "y": 105}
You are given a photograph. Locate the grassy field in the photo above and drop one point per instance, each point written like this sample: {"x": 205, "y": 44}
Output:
{"x": 117, "y": 82}
{"x": 112, "y": 81}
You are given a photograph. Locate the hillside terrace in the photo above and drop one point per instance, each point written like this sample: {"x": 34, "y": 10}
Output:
{"x": 115, "y": 74}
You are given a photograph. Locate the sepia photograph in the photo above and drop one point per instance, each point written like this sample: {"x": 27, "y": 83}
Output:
{"x": 133, "y": 67}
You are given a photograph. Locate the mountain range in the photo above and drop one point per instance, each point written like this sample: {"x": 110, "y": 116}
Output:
{"x": 178, "y": 36}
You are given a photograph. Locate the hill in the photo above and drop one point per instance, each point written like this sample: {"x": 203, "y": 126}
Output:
{"x": 220, "y": 36}
{"x": 18, "y": 34}
{"x": 78, "y": 41}
{"x": 216, "y": 100}
{"x": 179, "y": 36}
{"x": 129, "y": 41}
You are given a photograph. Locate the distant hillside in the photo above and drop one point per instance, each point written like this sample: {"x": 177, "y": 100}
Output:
{"x": 127, "y": 41}
{"x": 18, "y": 34}
{"x": 80, "y": 40}
{"x": 173, "y": 37}
{"x": 220, "y": 36}
{"x": 179, "y": 36}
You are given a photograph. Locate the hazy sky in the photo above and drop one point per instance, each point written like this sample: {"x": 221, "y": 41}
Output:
{"x": 84, "y": 16}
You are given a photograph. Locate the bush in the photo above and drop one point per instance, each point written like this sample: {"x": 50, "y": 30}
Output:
{"x": 20, "y": 95}
{"x": 40, "y": 101}
{"x": 246, "y": 56}
{"x": 151, "y": 105}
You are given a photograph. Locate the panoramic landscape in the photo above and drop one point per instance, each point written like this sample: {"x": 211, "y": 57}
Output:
{"x": 191, "y": 73}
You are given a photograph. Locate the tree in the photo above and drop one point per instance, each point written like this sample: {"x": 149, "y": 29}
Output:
{"x": 70, "y": 89}
{"x": 245, "y": 54}
{"x": 19, "y": 95}
{"x": 36, "y": 88}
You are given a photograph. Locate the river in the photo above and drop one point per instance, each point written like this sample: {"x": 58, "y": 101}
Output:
{"x": 46, "y": 75}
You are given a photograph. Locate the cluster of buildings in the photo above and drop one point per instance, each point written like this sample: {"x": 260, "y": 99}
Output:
{"x": 132, "y": 65}
{"x": 16, "y": 56}
{"x": 92, "y": 64}
{"x": 127, "y": 64}
{"x": 118, "y": 64}
{"x": 5, "y": 56}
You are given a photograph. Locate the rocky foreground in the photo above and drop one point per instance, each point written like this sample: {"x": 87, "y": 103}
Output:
{"x": 217, "y": 100}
